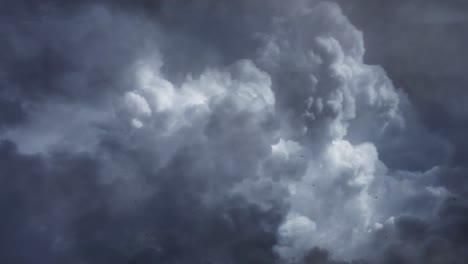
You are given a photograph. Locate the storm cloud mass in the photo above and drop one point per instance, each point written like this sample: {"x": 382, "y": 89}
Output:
{"x": 249, "y": 131}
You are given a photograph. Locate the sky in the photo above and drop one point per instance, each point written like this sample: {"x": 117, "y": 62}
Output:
{"x": 233, "y": 132}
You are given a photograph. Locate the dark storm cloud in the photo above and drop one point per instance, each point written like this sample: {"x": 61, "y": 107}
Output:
{"x": 51, "y": 52}
{"x": 112, "y": 203}
{"x": 58, "y": 202}
{"x": 12, "y": 113}
{"x": 37, "y": 193}
{"x": 422, "y": 45}
{"x": 219, "y": 132}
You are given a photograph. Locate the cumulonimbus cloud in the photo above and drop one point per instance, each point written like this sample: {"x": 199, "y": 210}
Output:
{"x": 214, "y": 132}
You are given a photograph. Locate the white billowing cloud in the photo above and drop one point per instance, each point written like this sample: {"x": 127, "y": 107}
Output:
{"x": 137, "y": 104}
{"x": 295, "y": 236}
{"x": 359, "y": 161}
{"x": 137, "y": 123}
{"x": 334, "y": 193}
{"x": 285, "y": 148}
{"x": 316, "y": 61}
{"x": 185, "y": 113}
{"x": 330, "y": 98}
{"x": 243, "y": 86}
{"x": 310, "y": 78}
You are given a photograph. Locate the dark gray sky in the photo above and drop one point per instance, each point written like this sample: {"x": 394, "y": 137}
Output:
{"x": 250, "y": 131}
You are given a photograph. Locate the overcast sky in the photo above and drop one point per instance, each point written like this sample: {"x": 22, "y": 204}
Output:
{"x": 219, "y": 131}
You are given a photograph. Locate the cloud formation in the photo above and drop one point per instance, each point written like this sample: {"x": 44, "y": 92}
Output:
{"x": 214, "y": 132}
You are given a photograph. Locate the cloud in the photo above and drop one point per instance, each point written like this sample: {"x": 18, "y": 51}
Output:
{"x": 214, "y": 132}
{"x": 419, "y": 44}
